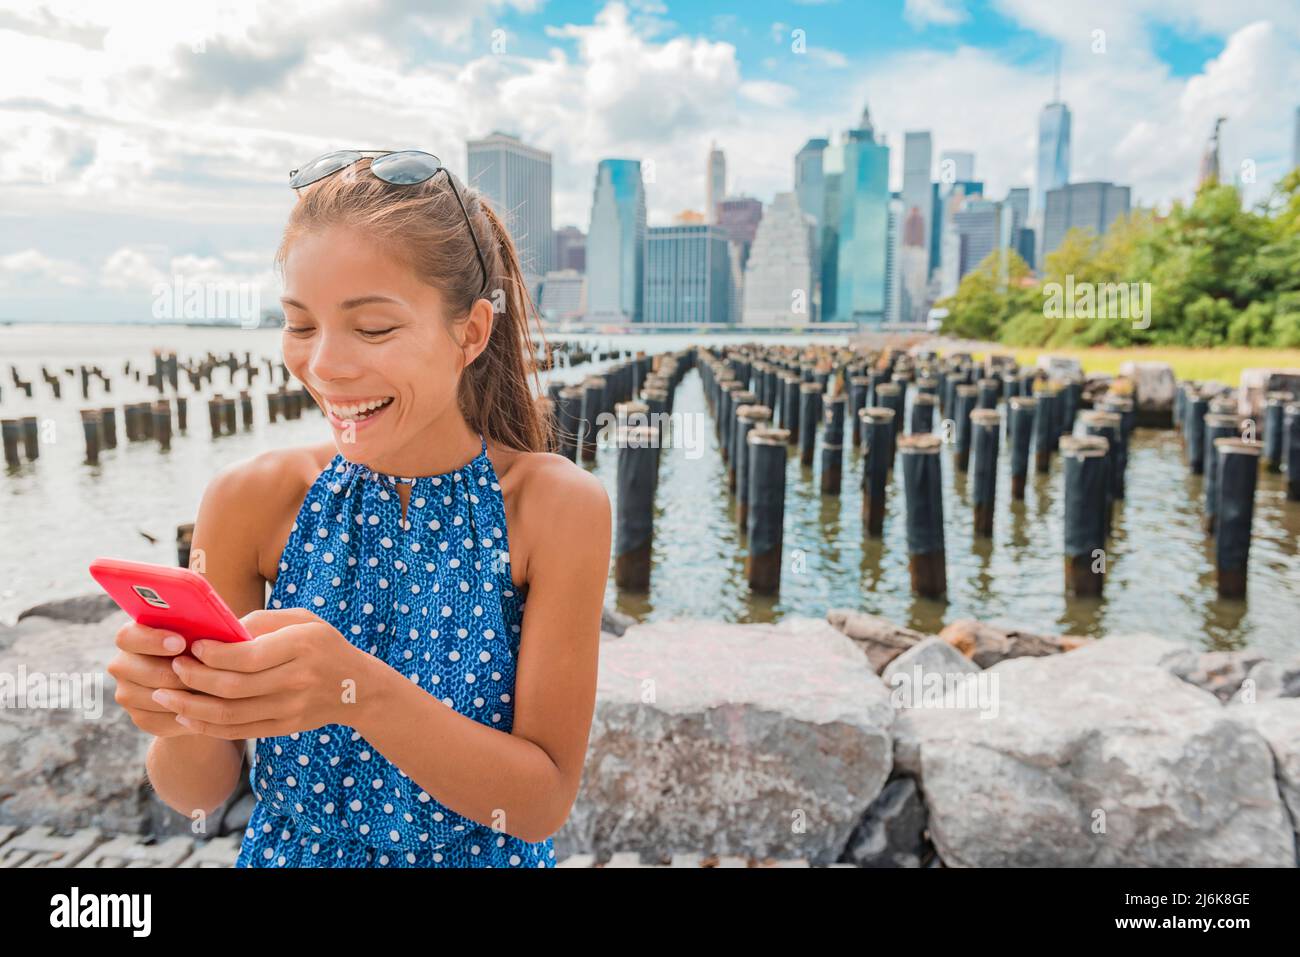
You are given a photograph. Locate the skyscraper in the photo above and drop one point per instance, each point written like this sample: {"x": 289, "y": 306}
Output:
{"x": 810, "y": 188}
{"x": 828, "y": 242}
{"x": 616, "y": 242}
{"x": 917, "y": 195}
{"x": 809, "y": 179}
{"x": 517, "y": 179}
{"x": 570, "y": 249}
{"x": 1093, "y": 205}
{"x": 715, "y": 183}
{"x": 952, "y": 244}
{"x": 893, "y": 279}
{"x": 914, "y": 258}
{"x": 687, "y": 275}
{"x": 861, "y": 271}
{"x": 779, "y": 275}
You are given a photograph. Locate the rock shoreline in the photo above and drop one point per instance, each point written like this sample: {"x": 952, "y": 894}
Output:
{"x": 847, "y": 740}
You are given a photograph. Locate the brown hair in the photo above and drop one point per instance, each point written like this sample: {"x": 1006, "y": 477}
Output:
{"x": 424, "y": 226}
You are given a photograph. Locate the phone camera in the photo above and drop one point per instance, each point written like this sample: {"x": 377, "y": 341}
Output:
{"x": 150, "y": 596}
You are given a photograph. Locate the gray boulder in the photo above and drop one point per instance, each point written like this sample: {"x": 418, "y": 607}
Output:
{"x": 892, "y": 832}
{"x": 81, "y": 610}
{"x": 1154, "y": 385}
{"x": 1098, "y": 757}
{"x": 714, "y": 738}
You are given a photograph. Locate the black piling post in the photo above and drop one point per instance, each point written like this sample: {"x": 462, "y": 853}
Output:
{"x": 90, "y": 426}
{"x": 878, "y": 442}
{"x": 1238, "y": 473}
{"x": 1291, "y": 450}
{"x": 985, "y": 427}
{"x": 638, "y": 462}
{"x": 1083, "y": 460}
{"x": 1194, "y": 431}
{"x": 923, "y": 487}
{"x": 810, "y": 407}
{"x": 1021, "y": 412}
{"x": 767, "y": 463}
{"x": 923, "y": 413}
{"x": 833, "y": 445}
{"x": 964, "y": 399}
{"x": 1218, "y": 425}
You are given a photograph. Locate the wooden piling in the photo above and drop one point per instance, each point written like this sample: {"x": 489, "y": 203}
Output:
{"x": 1020, "y": 410}
{"x": 90, "y": 427}
{"x": 767, "y": 464}
{"x": 1238, "y": 471}
{"x": 638, "y": 462}
{"x": 1083, "y": 460}
{"x": 923, "y": 487}
{"x": 1218, "y": 425}
{"x": 877, "y": 427}
{"x": 162, "y": 424}
{"x": 964, "y": 399}
{"x": 985, "y": 428}
{"x": 810, "y": 407}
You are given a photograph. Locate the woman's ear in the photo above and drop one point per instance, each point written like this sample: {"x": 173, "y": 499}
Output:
{"x": 477, "y": 329}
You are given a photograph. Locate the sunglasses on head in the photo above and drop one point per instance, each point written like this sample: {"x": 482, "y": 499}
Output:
{"x": 398, "y": 167}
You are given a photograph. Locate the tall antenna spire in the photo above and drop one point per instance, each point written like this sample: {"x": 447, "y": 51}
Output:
{"x": 1056, "y": 83}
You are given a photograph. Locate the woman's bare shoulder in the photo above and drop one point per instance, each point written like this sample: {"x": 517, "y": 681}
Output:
{"x": 552, "y": 498}
{"x": 265, "y": 491}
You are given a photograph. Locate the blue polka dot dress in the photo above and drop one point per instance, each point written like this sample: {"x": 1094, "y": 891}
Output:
{"x": 433, "y": 598}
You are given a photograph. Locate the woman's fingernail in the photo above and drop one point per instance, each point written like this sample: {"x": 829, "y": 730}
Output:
{"x": 174, "y": 643}
{"x": 161, "y": 696}
{"x": 181, "y": 719}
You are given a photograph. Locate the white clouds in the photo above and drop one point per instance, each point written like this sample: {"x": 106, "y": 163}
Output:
{"x": 30, "y": 267}
{"x": 922, "y": 13}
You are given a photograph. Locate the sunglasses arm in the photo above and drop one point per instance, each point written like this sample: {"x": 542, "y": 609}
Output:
{"x": 455, "y": 192}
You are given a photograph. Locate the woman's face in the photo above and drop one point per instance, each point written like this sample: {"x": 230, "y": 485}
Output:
{"x": 362, "y": 329}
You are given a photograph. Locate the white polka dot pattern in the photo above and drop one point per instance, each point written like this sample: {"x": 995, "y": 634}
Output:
{"x": 433, "y": 598}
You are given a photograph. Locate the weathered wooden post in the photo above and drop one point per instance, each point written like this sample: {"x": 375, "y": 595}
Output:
{"x": 593, "y": 402}
{"x": 246, "y": 408}
{"x": 1238, "y": 472}
{"x": 857, "y": 402}
{"x": 184, "y": 540}
{"x": 31, "y": 436}
{"x": 748, "y": 418}
{"x": 833, "y": 445}
{"x": 985, "y": 425}
{"x": 923, "y": 486}
{"x": 810, "y": 407}
{"x": 964, "y": 399}
{"x": 767, "y": 450}
{"x": 1291, "y": 450}
{"x": 1044, "y": 427}
{"x": 878, "y": 441}
{"x": 1021, "y": 413}
{"x": 90, "y": 426}
{"x": 1108, "y": 426}
{"x": 1083, "y": 461}
{"x": 1218, "y": 425}
{"x": 638, "y": 461}
{"x": 108, "y": 427}
{"x": 923, "y": 413}
{"x": 1274, "y": 429}
{"x": 162, "y": 424}
{"x": 1196, "y": 407}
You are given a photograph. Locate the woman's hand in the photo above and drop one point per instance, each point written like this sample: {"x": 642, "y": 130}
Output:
{"x": 142, "y": 665}
{"x": 298, "y": 674}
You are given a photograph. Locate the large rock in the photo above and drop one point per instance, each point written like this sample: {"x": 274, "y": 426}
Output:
{"x": 714, "y": 738}
{"x": 892, "y": 832}
{"x": 1099, "y": 757}
{"x": 1278, "y": 720}
{"x": 933, "y": 655}
{"x": 1154, "y": 385}
{"x": 986, "y": 644}
{"x": 880, "y": 640}
{"x": 70, "y": 767}
{"x": 81, "y": 609}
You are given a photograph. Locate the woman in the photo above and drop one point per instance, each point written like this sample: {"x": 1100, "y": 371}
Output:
{"x": 394, "y": 650}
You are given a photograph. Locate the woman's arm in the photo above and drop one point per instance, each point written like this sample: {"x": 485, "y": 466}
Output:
{"x": 195, "y": 772}
{"x": 523, "y": 783}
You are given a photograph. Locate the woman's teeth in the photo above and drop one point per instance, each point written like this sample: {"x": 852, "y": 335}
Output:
{"x": 360, "y": 410}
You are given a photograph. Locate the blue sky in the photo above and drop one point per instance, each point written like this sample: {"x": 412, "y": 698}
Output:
{"x": 144, "y": 140}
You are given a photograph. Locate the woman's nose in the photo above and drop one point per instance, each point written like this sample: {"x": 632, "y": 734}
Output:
{"x": 333, "y": 356}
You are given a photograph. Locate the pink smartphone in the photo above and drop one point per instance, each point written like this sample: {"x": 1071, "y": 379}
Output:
{"x": 163, "y": 596}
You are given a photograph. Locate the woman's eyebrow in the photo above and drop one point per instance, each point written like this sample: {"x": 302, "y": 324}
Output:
{"x": 346, "y": 303}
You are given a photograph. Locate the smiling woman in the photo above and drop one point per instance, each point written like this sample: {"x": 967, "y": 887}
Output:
{"x": 405, "y": 709}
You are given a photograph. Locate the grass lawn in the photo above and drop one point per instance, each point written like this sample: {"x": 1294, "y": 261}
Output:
{"x": 1222, "y": 365}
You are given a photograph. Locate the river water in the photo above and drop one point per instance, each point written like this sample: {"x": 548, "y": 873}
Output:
{"x": 57, "y": 514}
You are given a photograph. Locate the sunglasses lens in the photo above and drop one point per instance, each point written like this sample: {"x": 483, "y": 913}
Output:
{"x": 405, "y": 168}
{"x": 323, "y": 166}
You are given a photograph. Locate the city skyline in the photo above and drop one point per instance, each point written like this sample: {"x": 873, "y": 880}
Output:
{"x": 142, "y": 147}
